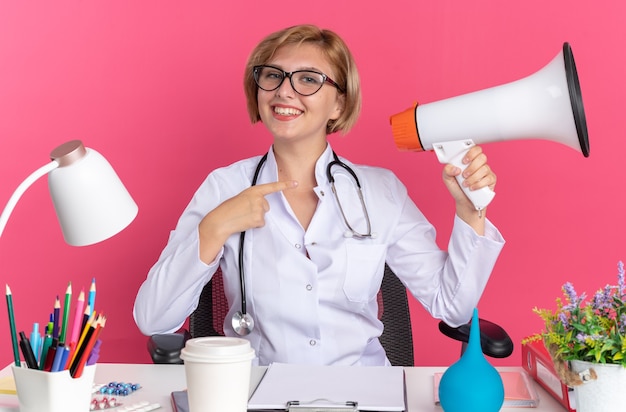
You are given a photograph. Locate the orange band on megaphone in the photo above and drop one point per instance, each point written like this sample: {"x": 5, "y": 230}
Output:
{"x": 404, "y": 130}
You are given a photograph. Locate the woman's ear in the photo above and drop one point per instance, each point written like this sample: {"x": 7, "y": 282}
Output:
{"x": 339, "y": 106}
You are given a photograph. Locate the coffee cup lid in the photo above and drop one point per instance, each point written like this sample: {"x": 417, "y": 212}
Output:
{"x": 217, "y": 349}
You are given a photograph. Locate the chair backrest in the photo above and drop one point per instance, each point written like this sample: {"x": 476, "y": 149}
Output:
{"x": 397, "y": 337}
{"x": 208, "y": 318}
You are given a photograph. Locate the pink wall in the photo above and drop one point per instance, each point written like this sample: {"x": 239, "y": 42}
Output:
{"x": 156, "y": 88}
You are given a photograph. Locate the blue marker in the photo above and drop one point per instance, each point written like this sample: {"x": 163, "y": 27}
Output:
{"x": 65, "y": 358}
{"x": 58, "y": 357}
{"x": 36, "y": 340}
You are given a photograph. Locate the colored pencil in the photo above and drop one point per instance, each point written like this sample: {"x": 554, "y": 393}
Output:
{"x": 83, "y": 343}
{"x": 78, "y": 370}
{"x": 81, "y": 340}
{"x": 57, "y": 316}
{"x": 86, "y": 316}
{"x": 16, "y": 350}
{"x": 78, "y": 318}
{"x": 92, "y": 295}
{"x": 66, "y": 313}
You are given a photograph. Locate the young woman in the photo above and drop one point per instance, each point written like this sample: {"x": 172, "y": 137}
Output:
{"x": 291, "y": 224}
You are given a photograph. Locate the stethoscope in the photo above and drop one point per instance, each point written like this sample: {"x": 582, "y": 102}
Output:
{"x": 242, "y": 321}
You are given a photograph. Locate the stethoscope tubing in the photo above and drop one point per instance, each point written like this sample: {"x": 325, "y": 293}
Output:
{"x": 242, "y": 322}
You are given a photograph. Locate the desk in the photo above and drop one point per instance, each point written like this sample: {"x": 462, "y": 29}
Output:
{"x": 158, "y": 381}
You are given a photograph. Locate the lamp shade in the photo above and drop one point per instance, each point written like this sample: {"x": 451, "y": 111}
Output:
{"x": 90, "y": 200}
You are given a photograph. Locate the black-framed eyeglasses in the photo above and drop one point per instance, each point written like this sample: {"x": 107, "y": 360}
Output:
{"x": 304, "y": 82}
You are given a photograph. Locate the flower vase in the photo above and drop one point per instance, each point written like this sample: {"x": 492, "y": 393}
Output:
{"x": 603, "y": 394}
{"x": 472, "y": 384}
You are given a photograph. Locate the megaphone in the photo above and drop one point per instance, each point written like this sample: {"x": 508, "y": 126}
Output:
{"x": 545, "y": 105}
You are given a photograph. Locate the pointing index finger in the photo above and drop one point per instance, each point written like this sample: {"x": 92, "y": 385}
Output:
{"x": 267, "y": 188}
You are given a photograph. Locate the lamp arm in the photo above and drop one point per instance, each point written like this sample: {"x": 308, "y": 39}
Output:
{"x": 44, "y": 170}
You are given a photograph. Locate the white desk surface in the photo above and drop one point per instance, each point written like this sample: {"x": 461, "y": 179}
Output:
{"x": 158, "y": 381}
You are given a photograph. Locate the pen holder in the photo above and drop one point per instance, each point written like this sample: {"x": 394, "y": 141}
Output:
{"x": 39, "y": 391}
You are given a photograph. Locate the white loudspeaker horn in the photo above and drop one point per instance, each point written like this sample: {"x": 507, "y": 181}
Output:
{"x": 545, "y": 105}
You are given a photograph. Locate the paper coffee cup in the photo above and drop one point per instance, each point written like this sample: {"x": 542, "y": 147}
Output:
{"x": 40, "y": 391}
{"x": 217, "y": 369}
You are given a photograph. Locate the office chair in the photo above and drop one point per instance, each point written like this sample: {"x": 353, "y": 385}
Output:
{"x": 397, "y": 336}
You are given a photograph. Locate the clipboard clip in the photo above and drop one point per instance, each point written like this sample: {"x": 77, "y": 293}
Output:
{"x": 321, "y": 405}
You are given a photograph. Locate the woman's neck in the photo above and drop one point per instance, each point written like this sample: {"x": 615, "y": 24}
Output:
{"x": 298, "y": 163}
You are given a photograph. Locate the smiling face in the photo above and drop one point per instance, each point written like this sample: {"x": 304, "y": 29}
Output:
{"x": 290, "y": 116}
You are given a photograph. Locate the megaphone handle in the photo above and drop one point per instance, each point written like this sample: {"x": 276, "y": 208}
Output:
{"x": 453, "y": 153}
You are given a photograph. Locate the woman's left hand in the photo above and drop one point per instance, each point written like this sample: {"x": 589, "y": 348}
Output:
{"x": 476, "y": 175}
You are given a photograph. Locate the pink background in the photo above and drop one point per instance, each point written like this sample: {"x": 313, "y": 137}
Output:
{"x": 156, "y": 87}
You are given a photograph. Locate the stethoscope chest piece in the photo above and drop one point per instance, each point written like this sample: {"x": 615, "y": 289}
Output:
{"x": 242, "y": 323}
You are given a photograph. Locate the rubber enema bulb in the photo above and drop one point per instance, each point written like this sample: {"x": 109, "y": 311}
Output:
{"x": 472, "y": 384}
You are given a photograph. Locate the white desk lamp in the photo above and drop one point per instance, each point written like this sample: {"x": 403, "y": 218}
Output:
{"x": 90, "y": 201}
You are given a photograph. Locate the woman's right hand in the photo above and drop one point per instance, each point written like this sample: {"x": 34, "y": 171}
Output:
{"x": 239, "y": 213}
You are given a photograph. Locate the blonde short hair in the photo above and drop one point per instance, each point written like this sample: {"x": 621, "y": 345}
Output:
{"x": 336, "y": 51}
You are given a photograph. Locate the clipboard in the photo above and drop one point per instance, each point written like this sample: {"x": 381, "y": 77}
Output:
{"x": 321, "y": 405}
{"x": 309, "y": 388}
{"x": 180, "y": 402}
